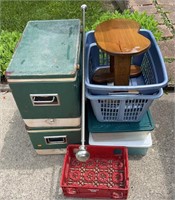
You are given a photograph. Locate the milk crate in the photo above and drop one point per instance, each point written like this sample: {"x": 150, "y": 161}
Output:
{"x": 104, "y": 175}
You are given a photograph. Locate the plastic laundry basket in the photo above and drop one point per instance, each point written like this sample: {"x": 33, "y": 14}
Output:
{"x": 153, "y": 76}
{"x": 121, "y": 107}
{"x": 144, "y": 126}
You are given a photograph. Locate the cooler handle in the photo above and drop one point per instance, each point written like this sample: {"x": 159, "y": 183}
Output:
{"x": 45, "y": 99}
{"x": 52, "y": 140}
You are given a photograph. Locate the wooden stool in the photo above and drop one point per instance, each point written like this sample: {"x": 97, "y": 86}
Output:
{"x": 121, "y": 40}
{"x": 104, "y": 75}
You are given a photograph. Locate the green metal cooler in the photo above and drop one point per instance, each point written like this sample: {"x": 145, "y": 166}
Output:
{"x": 53, "y": 140}
{"x": 44, "y": 74}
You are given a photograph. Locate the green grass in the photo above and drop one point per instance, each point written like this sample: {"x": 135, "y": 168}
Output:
{"x": 15, "y": 14}
{"x": 8, "y": 41}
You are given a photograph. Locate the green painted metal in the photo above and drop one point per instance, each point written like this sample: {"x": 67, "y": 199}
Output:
{"x": 45, "y": 62}
{"x": 38, "y": 141}
{"x": 69, "y": 97}
{"x": 47, "y": 49}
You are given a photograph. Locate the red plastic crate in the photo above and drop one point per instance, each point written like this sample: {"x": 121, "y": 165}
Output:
{"x": 104, "y": 175}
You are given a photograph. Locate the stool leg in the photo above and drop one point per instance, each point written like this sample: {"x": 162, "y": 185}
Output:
{"x": 122, "y": 65}
{"x": 112, "y": 64}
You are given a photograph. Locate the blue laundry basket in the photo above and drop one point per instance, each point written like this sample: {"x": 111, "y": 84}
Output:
{"x": 121, "y": 107}
{"x": 153, "y": 76}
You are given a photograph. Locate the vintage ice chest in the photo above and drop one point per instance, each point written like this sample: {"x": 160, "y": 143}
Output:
{"x": 53, "y": 140}
{"x": 44, "y": 73}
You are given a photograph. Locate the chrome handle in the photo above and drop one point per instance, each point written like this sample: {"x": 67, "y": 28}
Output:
{"x": 45, "y": 99}
{"x": 52, "y": 140}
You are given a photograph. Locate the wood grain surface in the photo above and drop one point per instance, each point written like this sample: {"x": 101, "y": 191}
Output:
{"x": 121, "y": 40}
{"x": 120, "y": 36}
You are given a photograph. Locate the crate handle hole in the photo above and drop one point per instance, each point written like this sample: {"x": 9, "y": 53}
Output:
{"x": 117, "y": 151}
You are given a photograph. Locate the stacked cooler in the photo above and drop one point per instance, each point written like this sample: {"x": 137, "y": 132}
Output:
{"x": 44, "y": 77}
{"x": 120, "y": 115}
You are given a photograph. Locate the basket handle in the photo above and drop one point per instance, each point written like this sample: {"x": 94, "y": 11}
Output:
{"x": 123, "y": 96}
{"x": 130, "y": 92}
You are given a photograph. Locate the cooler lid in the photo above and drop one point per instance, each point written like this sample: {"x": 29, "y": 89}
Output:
{"x": 47, "y": 49}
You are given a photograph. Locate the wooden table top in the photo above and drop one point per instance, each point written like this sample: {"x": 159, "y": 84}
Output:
{"x": 120, "y": 36}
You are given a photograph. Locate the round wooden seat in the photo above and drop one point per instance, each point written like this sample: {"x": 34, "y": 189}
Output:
{"x": 121, "y": 40}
